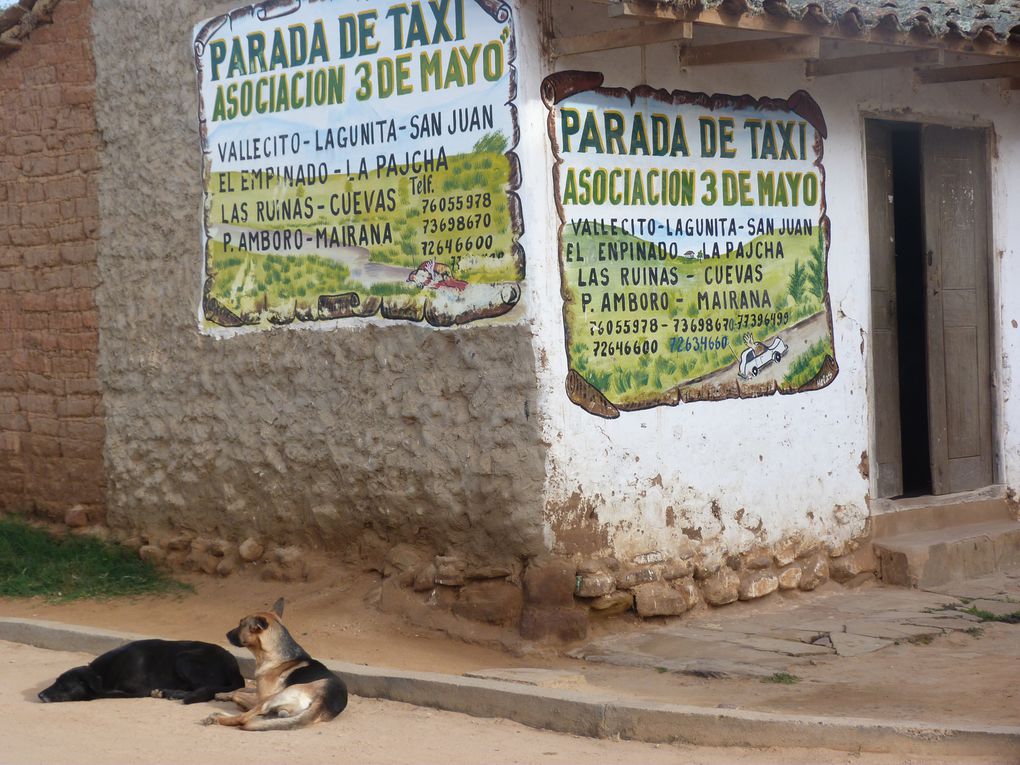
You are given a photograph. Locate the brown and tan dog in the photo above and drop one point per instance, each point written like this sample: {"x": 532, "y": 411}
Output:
{"x": 291, "y": 688}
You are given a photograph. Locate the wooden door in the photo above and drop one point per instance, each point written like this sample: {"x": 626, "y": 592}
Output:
{"x": 955, "y": 178}
{"x": 887, "y": 462}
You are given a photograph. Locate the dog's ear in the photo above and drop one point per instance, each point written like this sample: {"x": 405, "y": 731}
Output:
{"x": 261, "y": 623}
{"x": 93, "y": 681}
{"x": 278, "y": 607}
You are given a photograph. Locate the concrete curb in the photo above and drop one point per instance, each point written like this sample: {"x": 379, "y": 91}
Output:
{"x": 599, "y": 715}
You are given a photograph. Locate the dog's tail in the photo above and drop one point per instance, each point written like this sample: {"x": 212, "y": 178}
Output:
{"x": 314, "y": 713}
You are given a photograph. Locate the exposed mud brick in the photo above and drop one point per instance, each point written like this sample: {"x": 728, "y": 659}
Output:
{"x": 450, "y": 570}
{"x": 76, "y": 517}
{"x": 594, "y": 585}
{"x": 659, "y": 599}
{"x": 816, "y": 571}
{"x": 564, "y": 624}
{"x": 402, "y": 561}
{"x": 722, "y": 587}
{"x": 758, "y": 585}
{"x": 425, "y": 578}
{"x": 550, "y": 583}
{"x": 632, "y": 577}
{"x": 789, "y": 578}
{"x": 250, "y": 550}
{"x": 490, "y": 601}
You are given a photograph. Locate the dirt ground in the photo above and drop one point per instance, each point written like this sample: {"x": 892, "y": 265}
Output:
{"x": 956, "y": 678}
{"x": 151, "y": 732}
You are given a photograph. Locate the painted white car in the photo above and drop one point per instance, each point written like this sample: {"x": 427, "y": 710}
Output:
{"x": 751, "y": 362}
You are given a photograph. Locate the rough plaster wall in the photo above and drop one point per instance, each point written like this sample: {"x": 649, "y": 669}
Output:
{"x": 729, "y": 475}
{"x": 51, "y": 415}
{"x": 299, "y": 435}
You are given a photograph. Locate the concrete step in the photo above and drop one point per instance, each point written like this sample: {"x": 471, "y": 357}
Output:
{"x": 932, "y": 557}
{"x": 892, "y": 517}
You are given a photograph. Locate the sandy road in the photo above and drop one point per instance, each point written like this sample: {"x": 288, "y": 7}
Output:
{"x": 153, "y": 731}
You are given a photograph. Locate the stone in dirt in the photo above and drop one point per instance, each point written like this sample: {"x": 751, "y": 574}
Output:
{"x": 757, "y": 585}
{"x": 689, "y": 590}
{"x": 76, "y": 517}
{"x": 595, "y": 585}
{"x": 658, "y": 599}
{"x": 550, "y": 583}
{"x": 785, "y": 554}
{"x": 847, "y": 567}
{"x": 425, "y": 579}
{"x": 450, "y": 570}
{"x": 722, "y": 587}
{"x": 402, "y": 561}
{"x": 614, "y": 603}
{"x": 756, "y": 562}
{"x": 630, "y": 578}
{"x": 675, "y": 569}
{"x": 492, "y": 601}
{"x": 151, "y": 554}
{"x": 789, "y": 578}
{"x": 250, "y": 550}
{"x": 815, "y": 571}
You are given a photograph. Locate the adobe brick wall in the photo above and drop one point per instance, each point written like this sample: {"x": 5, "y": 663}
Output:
{"x": 51, "y": 413}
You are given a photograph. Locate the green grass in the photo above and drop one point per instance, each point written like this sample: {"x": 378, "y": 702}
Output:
{"x": 988, "y": 616}
{"x": 782, "y": 678}
{"x": 35, "y": 563}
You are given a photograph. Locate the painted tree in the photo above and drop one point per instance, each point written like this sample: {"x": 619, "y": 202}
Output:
{"x": 816, "y": 267}
{"x": 798, "y": 278}
{"x": 495, "y": 142}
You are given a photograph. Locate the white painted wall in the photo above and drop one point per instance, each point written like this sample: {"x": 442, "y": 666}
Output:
{"x": 790, "y": 461}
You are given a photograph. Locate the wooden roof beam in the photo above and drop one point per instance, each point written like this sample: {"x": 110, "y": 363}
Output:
{"x": 827, "y": 67}
{"x": 774, "y": 49}
{"x": 622, "y": 38}
{"x": 653, "y": 11}
{"x": 969, "y": 73}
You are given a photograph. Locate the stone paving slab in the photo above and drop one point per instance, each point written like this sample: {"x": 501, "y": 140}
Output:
{"x": 897, "y": 630}
{"x": 848, "y": 644}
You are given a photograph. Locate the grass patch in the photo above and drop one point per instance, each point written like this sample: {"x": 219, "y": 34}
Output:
{"x": 975, "y": 632}
{"x": 988, "y": 616}
{"x": 33, "y": 562}
{"x": 782, "y": 678}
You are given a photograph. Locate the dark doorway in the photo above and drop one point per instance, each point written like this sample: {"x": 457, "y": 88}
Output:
{"x": 908, "y": 226}
{"x": 928, "y": 224}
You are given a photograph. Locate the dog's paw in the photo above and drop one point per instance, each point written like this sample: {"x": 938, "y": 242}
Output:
{"x": 228, "y": 696}
{"x": 157, "y": 693}
{"x": 211, "y": 719}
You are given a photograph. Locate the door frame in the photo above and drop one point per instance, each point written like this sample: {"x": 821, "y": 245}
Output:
{"x": 972, "y": 122}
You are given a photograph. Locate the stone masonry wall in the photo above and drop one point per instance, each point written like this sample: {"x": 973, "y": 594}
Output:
{"x": 349, "y": 440}
{"x": 51, "y": 410}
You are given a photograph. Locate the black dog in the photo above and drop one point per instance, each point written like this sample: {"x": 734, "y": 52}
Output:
{"x": 171, "y": 669}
